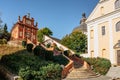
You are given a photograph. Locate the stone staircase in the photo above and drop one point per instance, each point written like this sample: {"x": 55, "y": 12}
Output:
{"x": 79, "y": 71}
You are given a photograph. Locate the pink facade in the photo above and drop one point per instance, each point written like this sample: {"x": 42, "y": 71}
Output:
{"x": 25, "y": 29}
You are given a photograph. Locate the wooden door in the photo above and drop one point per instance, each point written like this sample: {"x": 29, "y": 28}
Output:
{"x": 118, "y": 57}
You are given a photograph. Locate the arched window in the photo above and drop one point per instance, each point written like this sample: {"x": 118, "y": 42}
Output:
{"x": 104, "y": 53}
{"x": 118, "y": 26}
{"x": 103, "y": 30}
{"x": 92, "y": 53}
{"x": 102, "y": 10}
{"x": 91, "y": 34}
{"x": 117, "y": 4}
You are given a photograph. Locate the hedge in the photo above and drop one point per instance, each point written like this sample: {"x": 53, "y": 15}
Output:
{"x": 24, "y": 43}
{"x": 3, "y": 41}
{"x": 48, "y": 55}
{"x": 100, "y": 65}
{"x": 29, "y": 47}
{"x": 31, "y": 67}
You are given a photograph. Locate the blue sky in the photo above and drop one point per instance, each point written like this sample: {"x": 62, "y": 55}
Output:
{"x": 61, "y": 16}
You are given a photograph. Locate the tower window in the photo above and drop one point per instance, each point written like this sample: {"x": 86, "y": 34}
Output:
{"x": 91, "y": 34}
{"x": 92, "y": 54}
{"x": 104, "y": 53}
{"x": 117, "y": 4}
{"x": 21, "y": 34}
{"x": 118, "y": 26}
{"x": 103, "y": 30}
{"x": 102, "y": 10}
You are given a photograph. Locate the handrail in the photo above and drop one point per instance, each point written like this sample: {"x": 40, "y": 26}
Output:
{"x": 49, "y": 49}
{"x": 67, "y": 68}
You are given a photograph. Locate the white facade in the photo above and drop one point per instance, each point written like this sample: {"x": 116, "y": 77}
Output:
{"x": 50, "y": 40}
{"x": 103, "y": 45}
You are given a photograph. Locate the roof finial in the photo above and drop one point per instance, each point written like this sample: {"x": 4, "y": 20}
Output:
{"x": 83, "y": 18}
{"x": 28, "y": 15}
{"x": 18, "y": 18}
{"x": 83, "y": 15}
{"x": 0, "y": 21}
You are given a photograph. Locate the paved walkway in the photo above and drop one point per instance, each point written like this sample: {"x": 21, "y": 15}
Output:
{"x": 80, "y": 73}
{"x": 96, "y": 78}
{"x": 114, "y": 72}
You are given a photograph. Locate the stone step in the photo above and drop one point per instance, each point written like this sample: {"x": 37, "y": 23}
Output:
{"x": 92, "y": 78}
{"x": 81, "y": 74}
{"x": 82, "y": 77}
{"x": 114, "y": 72}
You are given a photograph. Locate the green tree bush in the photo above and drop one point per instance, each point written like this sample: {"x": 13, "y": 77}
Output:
{"x": 66, "y": 53}
{"x": 42, "y": 32}
{"x": 48, "y": 72}
{"x": 48, "y": 55}
{"x": 24, "y": 43}
{"x": 37, "y": 50}
{"x": 60, "y": 59}
{"x": 40, "y": 51}
{"x": 3, "y": 41}
{"x": 76, "y": 41}
{"x": 4, "y": 34}
{"x": 29, "y": 47}
{"x": 100, "y": 65}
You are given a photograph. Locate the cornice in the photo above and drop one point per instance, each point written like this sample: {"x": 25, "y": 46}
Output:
{"x": 103, "y": 1}
{"x": 103, "y": 16}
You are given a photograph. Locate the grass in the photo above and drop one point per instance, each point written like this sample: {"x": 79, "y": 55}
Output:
{"x": 6, "y": 49}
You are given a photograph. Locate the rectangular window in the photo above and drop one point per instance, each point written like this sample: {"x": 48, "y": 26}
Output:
{"x": 91, "y": 34}
{"x": 21, "y": 34}
{"x": 34, "y": 37}
{"x": 118, "y": 43}
{"x": 118, "y": 26}
{"x": 117, "y": 4}
{"x": 103, "y": 30}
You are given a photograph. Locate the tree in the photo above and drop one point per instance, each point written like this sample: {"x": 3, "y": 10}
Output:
{"x": 5, "y": 34}
{"x": 5, "y": 28}
{"x": 1, "y": 28}
{"x": 76, "y": 41}
{"x": 43, "y": 31}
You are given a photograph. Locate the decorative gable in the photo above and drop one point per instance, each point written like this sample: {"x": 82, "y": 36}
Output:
{"x": 103, "y": 8}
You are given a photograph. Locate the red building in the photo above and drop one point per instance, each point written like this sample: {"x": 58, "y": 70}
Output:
{"x": 25, "y": 29}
